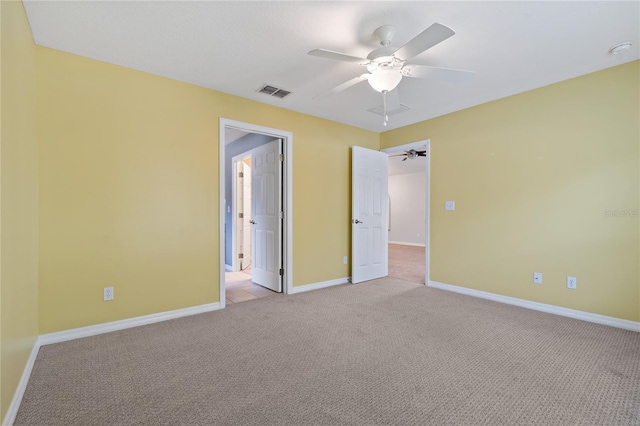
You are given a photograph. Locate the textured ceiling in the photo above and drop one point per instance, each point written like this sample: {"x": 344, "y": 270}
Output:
{"x": 235, "y": 47}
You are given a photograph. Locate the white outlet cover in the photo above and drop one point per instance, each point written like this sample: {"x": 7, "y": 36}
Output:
{"x": 449, "y": 205}
{"x": 537, "y": 278}
{"x": 572, "y": 283}
{"x": 108, "y": 293}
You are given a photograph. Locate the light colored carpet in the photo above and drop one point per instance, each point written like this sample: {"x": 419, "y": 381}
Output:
{"x": 382, "y": 352}
{"x": 407, "y": 263}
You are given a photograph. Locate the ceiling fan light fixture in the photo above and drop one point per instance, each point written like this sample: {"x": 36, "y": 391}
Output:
{"x": 382, "y": 80}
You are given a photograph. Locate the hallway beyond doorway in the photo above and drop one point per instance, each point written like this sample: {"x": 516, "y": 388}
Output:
{"x": 239, "y": 288}
{"x": 407, "y": 262}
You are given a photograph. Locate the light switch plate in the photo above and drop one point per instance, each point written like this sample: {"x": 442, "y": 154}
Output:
{"x": 449, "y": 205}
{"x": 537, "y": 278}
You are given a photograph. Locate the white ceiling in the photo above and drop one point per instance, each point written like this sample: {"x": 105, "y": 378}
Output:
{"x": 231, "y": 135}
{"x": 235, "y": 47}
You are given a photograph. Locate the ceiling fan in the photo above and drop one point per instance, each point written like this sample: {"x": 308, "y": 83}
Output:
{"x": 387, "y": 64}
{"x": 412, "y": 154}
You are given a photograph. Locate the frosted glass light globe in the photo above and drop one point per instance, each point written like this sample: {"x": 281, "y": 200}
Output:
{"x": 385, "y": 80}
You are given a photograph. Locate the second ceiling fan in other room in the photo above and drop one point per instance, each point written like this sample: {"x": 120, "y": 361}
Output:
{"x": 411, "y": 154}
{"x": 387, "y": 64}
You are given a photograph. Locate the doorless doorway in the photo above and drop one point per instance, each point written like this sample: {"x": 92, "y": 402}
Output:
{"x": 410, "y": 239}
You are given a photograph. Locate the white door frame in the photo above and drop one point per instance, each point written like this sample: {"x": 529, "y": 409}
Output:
{"x": 287, "y": 180}
{"x": 426, "y": 144}
{"x": 235, "y": 161}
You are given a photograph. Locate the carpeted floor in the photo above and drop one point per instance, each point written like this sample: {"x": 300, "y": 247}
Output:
{"x": 382, "y": 352}
{"x": 407, "y": 263}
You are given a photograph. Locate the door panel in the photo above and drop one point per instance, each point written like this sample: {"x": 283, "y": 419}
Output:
{"x": 370, "y": 215}
{"x": 266, "y": 181}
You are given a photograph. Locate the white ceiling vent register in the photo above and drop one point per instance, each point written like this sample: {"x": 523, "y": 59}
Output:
{"x": 380, "y": 110}
{"x": 271, "y": 90}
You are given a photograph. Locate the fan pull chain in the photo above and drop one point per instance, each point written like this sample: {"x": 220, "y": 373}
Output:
{"x": 385, "y": 119}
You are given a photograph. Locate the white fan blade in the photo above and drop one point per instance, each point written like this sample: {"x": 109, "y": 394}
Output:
{"x": 344, "y": 86}
{"x": 433, "y": 35}
{"x": 348, "y": 84}
{"x": 330, "y": 54}
{"x": 444, "y": 74}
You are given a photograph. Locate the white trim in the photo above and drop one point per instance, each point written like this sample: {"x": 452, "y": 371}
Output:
{"x": 426, "y": 144}
{"x": 107, "y": 327}
{"x": 319, "y": 285}
{"x": 10, "y": 417}
{"x": 228, "y": 268}
{"x": 288, "y": 196}
{"x": 92, "y": 330}
{"x": 234, "y": 191}
{"x": 542, "y": 307}
{"x": 235, "y": 265}
{"x": 407, "y": 244}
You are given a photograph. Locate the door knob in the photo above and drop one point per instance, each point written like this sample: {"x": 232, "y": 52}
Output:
{"x": 253, "y": 222}
{"x": 356, "y": 221}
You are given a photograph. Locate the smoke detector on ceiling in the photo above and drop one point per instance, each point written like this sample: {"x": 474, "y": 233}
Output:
{"x": 620, "y": 48}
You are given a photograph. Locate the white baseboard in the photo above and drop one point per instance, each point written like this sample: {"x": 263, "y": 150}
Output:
{"x": 536, "y": 306}
{"x": 10, "y": 417}
{"x": 407, "y": 244}
{"x": 317, "y": 286}
{"x": 228, "y": 268}
{"x": 92, "y": 330}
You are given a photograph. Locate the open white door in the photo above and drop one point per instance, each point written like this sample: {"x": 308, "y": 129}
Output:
{"x": 369, "y": 238}
{"x": 266, "y": 213}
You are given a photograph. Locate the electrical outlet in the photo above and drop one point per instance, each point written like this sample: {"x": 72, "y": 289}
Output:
{"x": 571, "y": 283}
{"x": 537, "y": 277}
{"x": 345, "y": 260}
{"x": 108, "y": 293}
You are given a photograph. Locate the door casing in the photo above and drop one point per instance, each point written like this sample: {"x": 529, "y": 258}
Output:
{"x": 236, "y": 164}
{"x": 423, "y": 144}
{"x": 287, "y": 185}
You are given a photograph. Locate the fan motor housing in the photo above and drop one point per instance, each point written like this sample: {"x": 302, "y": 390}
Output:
{"x": 381, "y": 52}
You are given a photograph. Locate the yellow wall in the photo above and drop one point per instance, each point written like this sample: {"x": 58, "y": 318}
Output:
{"x": 532, "y": 176}
{"x": 127, "y": 167}
{"x": 128, "y": 173}
{"x": 18, "y": 200}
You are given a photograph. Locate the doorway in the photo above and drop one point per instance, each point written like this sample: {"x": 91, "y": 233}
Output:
{"x": 409, "y": 212}
{"x": 255, "y": 211}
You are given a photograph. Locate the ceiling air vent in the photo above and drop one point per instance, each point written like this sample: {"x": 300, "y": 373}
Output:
{"x": 271, "y": 90}
{"x": 379, "y": 110}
